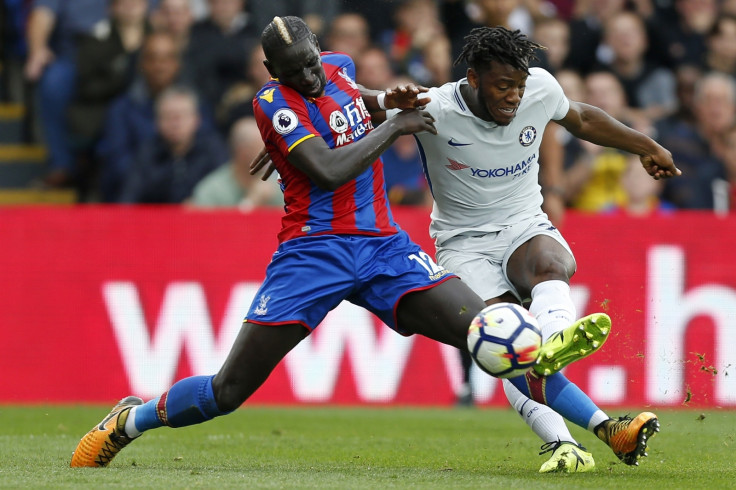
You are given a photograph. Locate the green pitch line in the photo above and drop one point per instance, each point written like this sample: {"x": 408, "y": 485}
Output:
{"x": 354, "y": 448}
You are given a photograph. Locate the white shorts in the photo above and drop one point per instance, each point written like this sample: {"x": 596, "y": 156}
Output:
{"x": 481, "y": 260}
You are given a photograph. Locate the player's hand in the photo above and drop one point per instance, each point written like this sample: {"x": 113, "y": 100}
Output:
{"x": 659, "y": 164}
{"x": 263, "y": 159}
{"x": 415, "y": 121}
{"x": 406, "y": 96}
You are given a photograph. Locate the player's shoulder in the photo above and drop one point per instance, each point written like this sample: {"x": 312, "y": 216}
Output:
{"x": 445, "y": 91}
{"x": 272, "y": 84}
{"x": 274, "y": 95}
{"x": 333, "y": 61}
{"x": 445, "y": 97}
{"x": 542, "y": 88}
{"x": 335, "y": 57}
{"x": 539, "y": 77}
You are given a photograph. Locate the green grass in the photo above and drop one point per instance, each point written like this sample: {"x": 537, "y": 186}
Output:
{"x": 347, "y": 448}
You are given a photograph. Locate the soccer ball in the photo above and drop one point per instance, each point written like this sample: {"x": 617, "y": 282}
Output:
{"x": 504, "y": 340}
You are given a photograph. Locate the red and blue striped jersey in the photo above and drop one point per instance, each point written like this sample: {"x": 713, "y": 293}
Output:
{"x": 286, "y": 118}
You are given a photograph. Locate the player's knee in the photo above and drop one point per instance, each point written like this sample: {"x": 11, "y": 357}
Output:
{"x": 228, "y": 395}
{"x": 553, "y": 267}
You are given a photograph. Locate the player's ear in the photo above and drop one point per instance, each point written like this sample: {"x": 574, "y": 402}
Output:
{"x": 472, "y": 76}
{"x": 316, "y": 42}
{"x": 269, "y": 67}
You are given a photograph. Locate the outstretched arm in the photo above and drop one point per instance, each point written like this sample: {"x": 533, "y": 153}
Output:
{"x": 595, "y": 125}
{"x": 329, "y": 168}
{"x": 401, "y": 97}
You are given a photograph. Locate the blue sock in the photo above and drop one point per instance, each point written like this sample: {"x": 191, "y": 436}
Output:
{"x": 560, "y": 394}
{"x": 190, "y": 401}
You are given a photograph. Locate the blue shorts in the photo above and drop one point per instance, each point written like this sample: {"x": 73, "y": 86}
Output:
{"x": 308, "y": 277}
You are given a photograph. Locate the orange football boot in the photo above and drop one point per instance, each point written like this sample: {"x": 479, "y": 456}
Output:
{"x": 105, "y": 440}
{"x": 628, "y": 437}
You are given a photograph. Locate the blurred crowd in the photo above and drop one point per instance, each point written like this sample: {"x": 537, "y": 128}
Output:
{"x": 149, "y": 101}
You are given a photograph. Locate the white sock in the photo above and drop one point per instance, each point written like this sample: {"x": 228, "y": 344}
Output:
{"x": 545, "y": 422}
{"x": 598, "y": 418}
{"x": 552, "y": 306}
{"x": 130, "y": 428}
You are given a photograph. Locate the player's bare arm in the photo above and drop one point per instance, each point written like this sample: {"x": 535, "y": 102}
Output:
{"x": 330, "y": 168}
{"x": 595, "y": 125}
{"x": 402, "y": 97}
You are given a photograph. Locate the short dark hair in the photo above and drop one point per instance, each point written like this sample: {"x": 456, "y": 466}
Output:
{"x": 282, "y": 32}
{"x": 486, "y": 44}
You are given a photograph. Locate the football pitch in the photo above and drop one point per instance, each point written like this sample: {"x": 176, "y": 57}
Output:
{"x": 353, "y": 448}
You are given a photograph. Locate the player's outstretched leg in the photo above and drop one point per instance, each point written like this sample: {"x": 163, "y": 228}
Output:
{"x": 106, "y": 439}
{"x": 567, "y": 457}
{"x": 628, "y": 437}
{"x": 189, "y": 401}
{"x": 256, "y": 352}
{"x": 577, "y": 341}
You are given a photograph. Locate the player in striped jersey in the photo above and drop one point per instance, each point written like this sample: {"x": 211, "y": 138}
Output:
{"x": 338, "y": 241}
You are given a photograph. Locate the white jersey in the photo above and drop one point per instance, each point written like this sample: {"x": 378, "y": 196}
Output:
{"x": 484, "y": 177}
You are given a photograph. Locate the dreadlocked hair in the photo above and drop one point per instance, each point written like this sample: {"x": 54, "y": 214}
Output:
{"x": 486, "y": 44}
{"x": 282, "y": 32}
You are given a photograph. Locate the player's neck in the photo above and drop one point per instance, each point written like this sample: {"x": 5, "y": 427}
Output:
{"x": 471, "y": 100}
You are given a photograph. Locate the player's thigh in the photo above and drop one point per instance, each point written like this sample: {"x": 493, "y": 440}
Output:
{"x": 542, "y": 257}
{"x": 442, "y": 313}
{"x": 254, "y": 354}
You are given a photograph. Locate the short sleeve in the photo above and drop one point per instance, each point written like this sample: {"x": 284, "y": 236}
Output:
{"x": 283, "y": 118}
{"x": 554, "y": 99}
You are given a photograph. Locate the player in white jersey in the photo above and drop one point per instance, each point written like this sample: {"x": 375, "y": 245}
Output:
{"x": 484, "y": 176}
{"x": 489, "y": 228}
